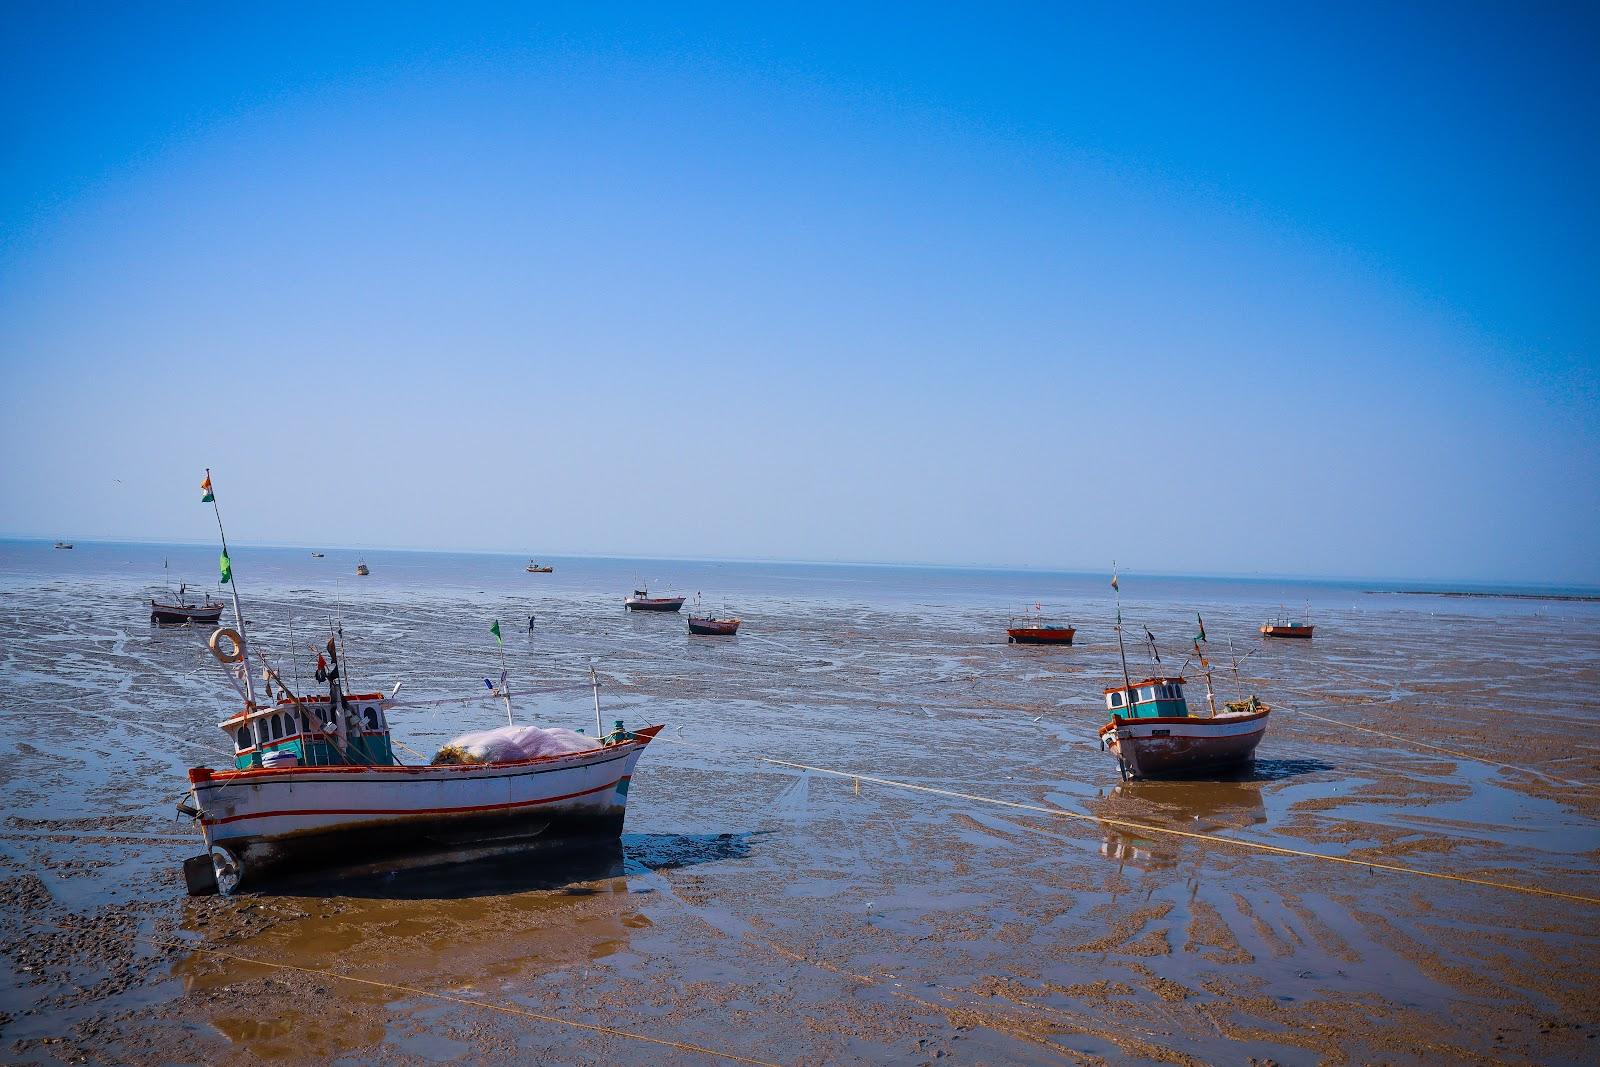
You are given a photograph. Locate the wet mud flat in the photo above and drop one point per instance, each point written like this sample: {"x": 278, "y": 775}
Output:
{"x": 787, "y": 916}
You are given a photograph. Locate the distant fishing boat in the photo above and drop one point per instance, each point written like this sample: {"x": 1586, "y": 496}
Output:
{"x": 177, "y": 608}
{"x": 1152, "y": 732}
{"x": 180, "y": 610}
{"x": 706, "y": 625}
{"x": 1283, "y": 626}
{"x": 315, "y": 777}
{"x": 361, "y": 569}
{"x": 1035, "y": 629}
{"x": 316, "y": 555}
{"x": 535, "y": 567}
{"x": 641, "y": 600}
{"x": 63, "y": 544}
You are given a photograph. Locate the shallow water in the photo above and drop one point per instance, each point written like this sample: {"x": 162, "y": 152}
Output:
{"x": 805, "y": 917}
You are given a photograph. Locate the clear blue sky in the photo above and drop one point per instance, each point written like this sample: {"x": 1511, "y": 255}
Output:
{"x": 1257, "y": 290}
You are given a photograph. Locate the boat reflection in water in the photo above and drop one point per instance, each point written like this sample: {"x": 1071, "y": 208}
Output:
{"x": 1204, "y": 807}
{"x": 507, "y": 917}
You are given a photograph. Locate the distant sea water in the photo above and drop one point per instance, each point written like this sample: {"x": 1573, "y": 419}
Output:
{"x": 403, "y": 573}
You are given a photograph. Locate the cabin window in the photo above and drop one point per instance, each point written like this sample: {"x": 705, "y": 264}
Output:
{"x": 1147, "y": 693}
{"x": 277, "y": 727}
{"x": 243, "y": 738}
{"x": 370, "y": 714}
{"x": 1116, "y": 699}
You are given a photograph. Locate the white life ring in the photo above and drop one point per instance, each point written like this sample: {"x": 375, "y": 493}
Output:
{"x": 235, "y": 653}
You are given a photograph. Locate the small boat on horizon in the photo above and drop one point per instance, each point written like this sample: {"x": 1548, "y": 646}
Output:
{"x": 361, "y": 568}
{"x": 316, "y": 555}
{"x": 1283, "y": 626}
{"x": 535, "y": 567}
{"x": 1035, "y": 629}
{"x": 641, "y": 600}
{"x": 63, "y": 544}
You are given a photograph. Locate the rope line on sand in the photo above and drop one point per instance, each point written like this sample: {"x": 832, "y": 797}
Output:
{"x": 1127, "y": 824}
{"x": 1436, "y": 748}
{"x": 506, "y": 1009}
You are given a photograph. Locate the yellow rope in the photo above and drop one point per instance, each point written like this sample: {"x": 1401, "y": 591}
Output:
{"x": 1217, "y": 839}
{"x": 413, "y": 990}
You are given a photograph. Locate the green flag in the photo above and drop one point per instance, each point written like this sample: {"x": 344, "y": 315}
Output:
{"x": 227, "y": 569}
{"x": 495, "y": 629}
{"x": 1201, "y": 636}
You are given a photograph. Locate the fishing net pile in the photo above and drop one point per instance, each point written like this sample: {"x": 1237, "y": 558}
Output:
{"x": 513, "y": 743}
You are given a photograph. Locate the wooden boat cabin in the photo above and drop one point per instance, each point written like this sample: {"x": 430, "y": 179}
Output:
{"x": 1153, "y": 698}
{"x": 290, "y": 734}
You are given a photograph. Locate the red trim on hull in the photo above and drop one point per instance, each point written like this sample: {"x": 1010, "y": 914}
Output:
{"x": 415, "y": 811}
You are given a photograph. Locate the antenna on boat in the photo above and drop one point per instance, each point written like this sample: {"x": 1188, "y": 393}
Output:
{"x": 233, "y": 586}
{"x": 594, "y": 681}
{"x": 1121, "y": 651}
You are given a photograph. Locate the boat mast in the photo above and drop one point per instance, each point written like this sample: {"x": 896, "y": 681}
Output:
{"x": 594, "y": 681}
{"x": 233, "y": 587}
{"x": 1121, "y": 651}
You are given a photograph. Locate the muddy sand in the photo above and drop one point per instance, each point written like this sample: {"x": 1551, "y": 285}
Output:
{"x": 758, "y": 912}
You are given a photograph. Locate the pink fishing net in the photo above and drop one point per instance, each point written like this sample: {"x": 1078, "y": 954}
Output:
{"x": 513, "y": 743}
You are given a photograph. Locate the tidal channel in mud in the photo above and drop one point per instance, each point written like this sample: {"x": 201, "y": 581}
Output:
{"x": 792, "y": 917}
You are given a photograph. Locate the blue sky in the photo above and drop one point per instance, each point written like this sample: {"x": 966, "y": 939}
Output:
{"x": 1256, "y": 290}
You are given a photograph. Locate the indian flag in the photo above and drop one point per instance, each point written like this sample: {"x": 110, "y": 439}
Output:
{"x": 205, "y": 487}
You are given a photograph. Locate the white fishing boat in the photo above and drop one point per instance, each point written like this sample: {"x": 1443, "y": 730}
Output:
{"x": 315, "y": 777}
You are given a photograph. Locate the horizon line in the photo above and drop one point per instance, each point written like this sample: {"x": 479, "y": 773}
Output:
{"x": 780, "y": 561}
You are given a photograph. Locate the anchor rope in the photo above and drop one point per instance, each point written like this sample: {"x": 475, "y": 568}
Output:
{"x": 1194, "y": 835}
{"x": 505, "y": 1009}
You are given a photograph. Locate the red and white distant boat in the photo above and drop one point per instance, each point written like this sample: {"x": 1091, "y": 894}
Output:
{"x": 1286, "y": 628}
{"x": 641, "y": 600}
{"x": 1035, "y": 629}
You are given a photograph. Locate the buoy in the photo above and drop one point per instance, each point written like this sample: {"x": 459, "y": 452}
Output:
{"x": 235, "y": 653}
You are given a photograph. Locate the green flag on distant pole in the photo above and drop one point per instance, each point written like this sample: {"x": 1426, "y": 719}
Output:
{"x": 495, "y": 629}
{"x": 227, "y": 569}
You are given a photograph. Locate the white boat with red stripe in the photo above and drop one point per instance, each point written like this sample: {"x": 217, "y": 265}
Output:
{"x": 261, "y": 821}
{"x": 315, "y": 777}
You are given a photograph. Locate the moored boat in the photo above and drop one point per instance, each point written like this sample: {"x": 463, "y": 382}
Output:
{"x": 1282, "y": 627}
{"x": 641, "y": 600}
{"x": 316, "y": 555}
{"x": 63, "y": 544}
{"x": 711, "y": 626}
{"x": 180, "y": 610}
{"x": 535, "y": 567}
{"x": 1153, "y": 734}
{"x": 361, "y": 568}
{"x": 316, "y": 779}
{"x": 1035, "y": 629}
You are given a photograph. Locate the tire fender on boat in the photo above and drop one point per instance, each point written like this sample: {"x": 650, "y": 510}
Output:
{"x": 235, "y": 653}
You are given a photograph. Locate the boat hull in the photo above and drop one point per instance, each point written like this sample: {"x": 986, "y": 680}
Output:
{"x": 1040, "y": 635}
{"x": 1300, "y": 632}
{"x": 1175, "y": 747}
{"x": 671, "y": 603}
{"x": 275, "y": 821}
{"x": 172, "y": 615}
{"x": 713, "y": 627}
